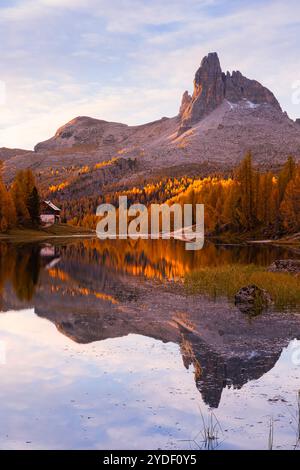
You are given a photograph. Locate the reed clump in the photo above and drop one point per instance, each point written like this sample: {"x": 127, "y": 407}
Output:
{"x": 226, "y": 280}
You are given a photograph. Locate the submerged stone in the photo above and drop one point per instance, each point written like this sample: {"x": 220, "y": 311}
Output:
{"x": 285, "y": 266}
{"x": 252, "y": 299}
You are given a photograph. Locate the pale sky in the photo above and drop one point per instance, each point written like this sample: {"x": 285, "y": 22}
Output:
{"x": 130, "y": 61}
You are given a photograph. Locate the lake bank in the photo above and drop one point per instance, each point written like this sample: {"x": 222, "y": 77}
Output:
{"x": 227, "y": 280}
{"x": 43, "y": 234}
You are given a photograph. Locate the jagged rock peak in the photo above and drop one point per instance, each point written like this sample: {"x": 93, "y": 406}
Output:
{"x": 212, "y": 86}
{"x": 185, "y": 101}
{"x": 208, "y": 90}
{"x": 238, "y": 87}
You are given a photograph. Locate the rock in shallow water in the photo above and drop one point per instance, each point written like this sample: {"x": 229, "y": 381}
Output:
{"x": 252, "y": 299}
{"x": 285, "y": 266}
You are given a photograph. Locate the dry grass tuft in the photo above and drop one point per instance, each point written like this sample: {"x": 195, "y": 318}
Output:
{"x": 225, "y": 281}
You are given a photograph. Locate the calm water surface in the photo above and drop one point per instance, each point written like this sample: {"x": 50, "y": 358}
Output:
{"x": 99, "y": 350}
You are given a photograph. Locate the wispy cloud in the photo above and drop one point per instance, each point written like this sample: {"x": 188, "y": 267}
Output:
{"x": 26, "y": 10}
{"x": 130, "y": 60}
{"x": 121, "y": 16}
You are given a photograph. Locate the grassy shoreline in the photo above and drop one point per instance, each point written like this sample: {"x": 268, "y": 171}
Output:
{"x": 54, "y": 231}
{"x": 65, "y": 230}
{"x": 255, "y": 238}
{"x": 226, "y": 280}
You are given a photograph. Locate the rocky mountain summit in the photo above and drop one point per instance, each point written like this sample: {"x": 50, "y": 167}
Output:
{"x": 212, "y": 87}
{"x": 226, "y": 116}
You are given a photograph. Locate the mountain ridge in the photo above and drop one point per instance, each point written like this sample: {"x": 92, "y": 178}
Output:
{"x": 226, "y": 116}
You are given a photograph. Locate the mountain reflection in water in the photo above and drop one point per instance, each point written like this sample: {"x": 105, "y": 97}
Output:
{"x": 93, "y": 290}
